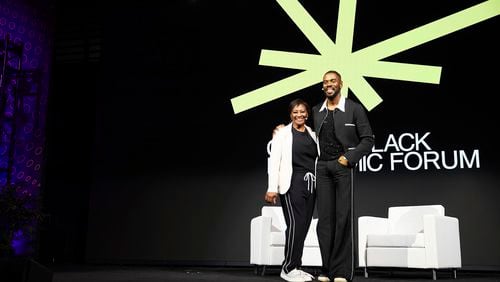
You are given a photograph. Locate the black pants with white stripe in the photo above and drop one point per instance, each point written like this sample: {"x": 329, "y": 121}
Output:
{"x": 335, "y": 218}
{"x": 298, "y": 207}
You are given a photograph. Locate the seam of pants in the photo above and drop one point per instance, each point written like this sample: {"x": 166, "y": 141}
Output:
{"x": 291, "y": 232}
{"x": 352, "y": 224}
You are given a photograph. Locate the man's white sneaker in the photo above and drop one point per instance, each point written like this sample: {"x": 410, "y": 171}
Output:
{"x": 323, "y": 278}
{"x": 339, "y": 279}
{"x": 295, "y": 276}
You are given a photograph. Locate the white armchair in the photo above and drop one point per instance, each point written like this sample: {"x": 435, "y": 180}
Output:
{"x": 267, "y": 240}
{"x": 411, "y": 237}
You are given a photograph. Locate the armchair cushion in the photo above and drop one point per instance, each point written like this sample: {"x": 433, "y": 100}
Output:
{"x": 409, "y": 219}
{"x": 396, "y": 240}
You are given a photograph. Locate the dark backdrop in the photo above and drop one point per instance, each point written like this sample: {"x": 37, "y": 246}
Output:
{"x": 169, "y": 174}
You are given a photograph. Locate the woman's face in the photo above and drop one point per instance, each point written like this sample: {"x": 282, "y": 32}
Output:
{"x": 299, "y": 115}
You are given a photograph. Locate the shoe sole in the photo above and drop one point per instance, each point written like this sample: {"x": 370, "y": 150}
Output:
{"x": 292, "y": 279}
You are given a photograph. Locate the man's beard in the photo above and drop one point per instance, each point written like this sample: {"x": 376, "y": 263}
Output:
{"x": 335, "y": 94}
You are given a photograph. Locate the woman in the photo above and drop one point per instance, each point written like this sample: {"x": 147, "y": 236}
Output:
{"x": 291, "y": 176}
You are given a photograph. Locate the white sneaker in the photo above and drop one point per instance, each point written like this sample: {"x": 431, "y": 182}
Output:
{"x": 323, "y": 278}
{"x": 295, "y": 276}
{"x": 339, "y": 279}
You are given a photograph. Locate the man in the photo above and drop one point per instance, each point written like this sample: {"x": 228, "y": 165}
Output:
{"x": 344, "y": 137}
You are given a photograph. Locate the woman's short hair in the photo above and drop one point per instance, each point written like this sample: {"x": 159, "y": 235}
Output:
{"x": 297, "y": 102}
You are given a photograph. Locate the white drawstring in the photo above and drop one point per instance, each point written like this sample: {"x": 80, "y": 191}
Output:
{"x": 311, "y": 181}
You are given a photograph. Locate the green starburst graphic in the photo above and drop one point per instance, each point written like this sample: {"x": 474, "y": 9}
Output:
{"x": 355, "y": 66}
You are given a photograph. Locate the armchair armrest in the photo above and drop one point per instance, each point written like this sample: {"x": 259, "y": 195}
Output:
{"x": 260, "y": 231}
{"x": 369, "y": 225}
{"x": 442, "y": 241}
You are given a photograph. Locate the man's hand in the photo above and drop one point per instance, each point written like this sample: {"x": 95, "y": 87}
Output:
{"x": 343, "y": 161}
{"x": 271, "y": 197}
{"x": 277, "y": 128}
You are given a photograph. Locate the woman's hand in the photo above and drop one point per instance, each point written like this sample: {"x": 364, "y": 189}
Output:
{"x": 271, "y": 197}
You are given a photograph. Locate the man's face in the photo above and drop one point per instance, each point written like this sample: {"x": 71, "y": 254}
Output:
{"x": 331, "y": 84}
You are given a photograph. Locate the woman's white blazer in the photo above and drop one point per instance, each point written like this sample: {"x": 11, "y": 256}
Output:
{"x": 280, "y": 160}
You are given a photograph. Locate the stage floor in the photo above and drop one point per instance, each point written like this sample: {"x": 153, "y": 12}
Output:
{"x": 101, "y": 273}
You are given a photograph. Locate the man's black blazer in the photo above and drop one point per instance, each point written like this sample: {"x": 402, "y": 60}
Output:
{"x": 352, "y": 129}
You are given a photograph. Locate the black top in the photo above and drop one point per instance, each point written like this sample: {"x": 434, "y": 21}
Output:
{"x": 329, "y": 145}
{"x": 304, "y": 151}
